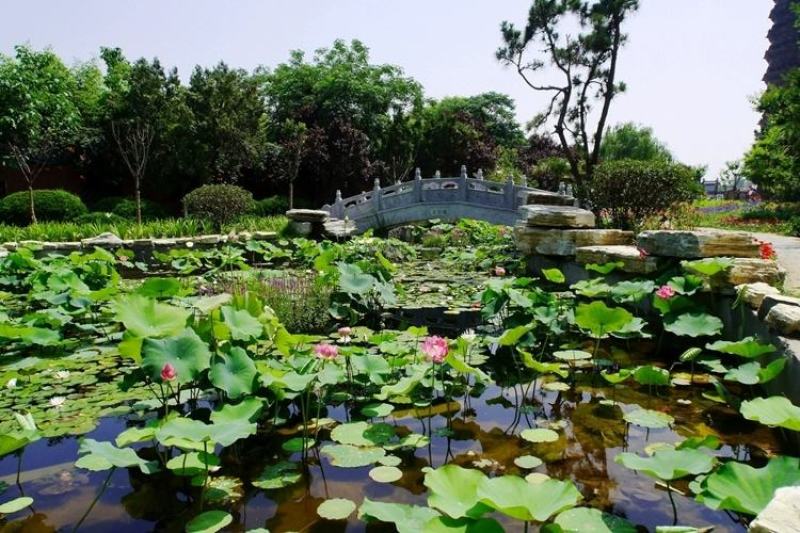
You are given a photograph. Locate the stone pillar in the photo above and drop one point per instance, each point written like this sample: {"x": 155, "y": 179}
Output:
{"x": 479, "y": 174}
{"x": 510, "y": 201}
{"x": 338, "y": 205}
{"x": 376, "y": 195}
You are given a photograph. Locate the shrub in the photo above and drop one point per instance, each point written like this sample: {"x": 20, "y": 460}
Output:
{"x": 126, "y": 208}
{"x": 629, "y": 192}
{"x": 218, "y": 203}
{"x": 53, "y": 205}
{"x": 97, "y": 217}
{"x": 274, "y": 205}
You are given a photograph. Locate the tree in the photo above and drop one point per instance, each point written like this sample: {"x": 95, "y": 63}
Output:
{"x": 292, "y": 147}
{"x": 352, "y": 110}
{"x": 39, "y": 118}
{"x": 773, "y": 163}
{"x": 631, "y": 141}
{"x": 474, "y": 131}
{"x": 586, "y": 63}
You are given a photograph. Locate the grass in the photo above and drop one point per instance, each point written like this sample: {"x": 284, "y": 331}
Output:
{"x": 765, "y": 217}
{"x": 163, "y": 228}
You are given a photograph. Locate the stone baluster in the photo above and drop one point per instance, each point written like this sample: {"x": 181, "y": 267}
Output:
{"x": 509, "y": 193}
{"x": 418, "y": 185}
{"x": 462, "y": 183}
{"x": 417, "y": 174}
{"x": 437, "y": 174}
{"x": 479, "y": 174}
{"x": 376, "y": 195}
{"x": 338, "y": 205}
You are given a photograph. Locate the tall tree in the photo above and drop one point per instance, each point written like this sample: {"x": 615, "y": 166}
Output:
{"x": 586, "y": 64}
{"x": 631, "y": 141}
{"x": 39, "y": 117}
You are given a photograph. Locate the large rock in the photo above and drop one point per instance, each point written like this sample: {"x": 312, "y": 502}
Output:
{"x": 753, "y": 294}
{"x": 563, "y": 242}
{"x": 554, "y": 216}
{"x": 749, "y": 270}
{"x": 340, "y": 229}
{"x": 785, "y": 319}
{"x": 781, "y": 515}
{"x": 697, "y": 244}
{"x": 631, "y": 258}
{"x": 314, "y": 216}
{"x": 104, "y": 239}
{"x": 771, "y": 300}
{"x": 549, "y": 198}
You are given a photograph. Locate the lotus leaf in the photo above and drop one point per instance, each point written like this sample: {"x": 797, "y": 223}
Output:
{"x": 538, "y": 435}
{"x": 694, "y": 325}
{"x": 386, "y": 474}
{"x": 97, "y": 456}
{"x": 15, "y": 505}
{"x": 668, "y": 464}
{"x": 209, "y": 522}
{"x": 709, "y": 267}
{"x": 588, "y": 520}
{"x": 651, "y": 375}
{"x": 445, "y": 524}
{"x": 572, "y": 356}
{"x": 145, "y": 317}
{"x": 377, "y": 410}
{"x": 159, "y": 287}
{"x": 278, "y": 476}
{"x": 234, "y": 373}
{"x": 601, "y": 320}
{"x": 554, "y": 275}
{"x": 336, "y": 509}
{"x": 186, "y": 352}
{"x": 192, "y": 463}
{"x": 406, "y": 518}
{"x": 649, "y": 419}
{"x": 749, "y": 347}
{"x": 773, "y": 411}
{"x": 528, "y": 461}
{"x": 241, "y": 325}
{"x": 454, "y": 491}
{"x": 515, "y": 497}
{"x": 349, "y": 456}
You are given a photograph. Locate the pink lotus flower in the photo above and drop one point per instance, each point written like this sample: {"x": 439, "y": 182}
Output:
{"x": 168, "y": 372}
{"x": 345, "y": 333}
{"x": 435, "y": 349}
{"x": 642, "y": 252}
{"x": 499, "y": 271}
{"x": 326, "y": 351}
{"x": 665, "y": 292}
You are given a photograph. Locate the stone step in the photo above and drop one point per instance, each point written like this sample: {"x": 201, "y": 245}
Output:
{"x": 555, "y": 216}
{"x": 307, "y": 215}
{"x": 549, "y": 198}
{"x": 697, "y": 244}
{"x": 631, "y": 258}
{"x": 563, "y": 242}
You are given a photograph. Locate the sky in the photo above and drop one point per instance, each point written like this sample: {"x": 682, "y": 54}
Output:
{"x": 692, "y": 67}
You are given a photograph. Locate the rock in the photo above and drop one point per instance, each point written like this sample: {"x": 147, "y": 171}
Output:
{"x": 632, "y": 261}
{"x": 549, "y": 198}
{"x": 554, "y": 216}
{"x": 753, "y": 294}
{"x": 164, "y": 243}
{"x": 301, "y": 229}
{"x": 784, "y": 318}
{"x": 430, "y": 254}
{"x": 407, "y": 233}
{"x": 771, "y": 300}
{"x": 749, "y": 270}
{"x": 307, "y": 215}
{"x": 697, "y": 244}
{"x": 9, "y": 246}
{"x": 339, "y": 229}
{"x": 210, "y": 239}
{"x": 563, "y": 242}
{"x": 781, "y": 515}
{"x": 264, "y": 235}
{"x": 3, "y": 252}
{"x": 104, "y": 239}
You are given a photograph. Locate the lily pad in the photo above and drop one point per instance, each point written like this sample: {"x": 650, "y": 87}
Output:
{"x": 588, "y": 520}
{"x": 209, "y": 522}
{"x": 694, "y": 325}
{"x": 15, "y": 505}
{"x": 528, "y": 461}
{"x": 336, "y": 509}
{"x": 349, "y": 456}
{"x": 668, "y": 464}
{"x": 278, "y": 476}
{"x": 539, "y": 435}
{"x": 454, "y": 491}
{"x": 386, "y": 474}
{"x": 649, "y": 419}
{"x": 377, "y": 410}
{"x": 773, "y": 411}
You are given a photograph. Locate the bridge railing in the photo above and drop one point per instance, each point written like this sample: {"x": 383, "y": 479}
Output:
{"x": 436, "y": 190}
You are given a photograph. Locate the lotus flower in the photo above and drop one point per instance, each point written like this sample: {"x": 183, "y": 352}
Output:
{"x": 168, "y": 372}
{"x": 499, "y": 271}
{"x": 766, "y": 250}
{"x": 11, "y": 383}
{"x": 435, "y": 349}
{"x": 642, "y": 252}
{"x": 57, "y": 401}
{"x": 345, "y": 333}
{"x": 326, "y": 351}
{"x": 469, "y": 335}
{"x": 665, "y": 292}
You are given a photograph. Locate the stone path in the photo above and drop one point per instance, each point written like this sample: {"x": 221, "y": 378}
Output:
{"x": 788, "y": 249}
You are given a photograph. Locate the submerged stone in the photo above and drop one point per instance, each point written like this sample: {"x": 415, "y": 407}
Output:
{"x": 697, "y": 244}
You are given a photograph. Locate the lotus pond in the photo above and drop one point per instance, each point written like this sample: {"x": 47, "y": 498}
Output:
{"x": 302, "y": 386}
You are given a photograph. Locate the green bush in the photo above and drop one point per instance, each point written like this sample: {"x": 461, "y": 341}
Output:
{"x": 218, "y": 203}
{"x": 274, "y": 205}
{"x": 628, "y": 192}
{"x": 53, "y": 205}
{"x": 97, "y": 217}
{"x": 126, "y": 208}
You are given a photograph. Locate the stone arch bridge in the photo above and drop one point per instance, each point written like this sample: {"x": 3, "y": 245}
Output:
{"x": 448, "y": 199}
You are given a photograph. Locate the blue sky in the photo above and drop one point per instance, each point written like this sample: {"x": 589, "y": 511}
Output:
{"x": 691, "y": 66}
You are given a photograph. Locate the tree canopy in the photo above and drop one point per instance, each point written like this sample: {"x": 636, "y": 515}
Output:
{"x": 632, "y": 141}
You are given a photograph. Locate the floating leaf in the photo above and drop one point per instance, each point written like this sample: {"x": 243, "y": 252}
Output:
{"x": 15, "y": 505}
{"x": 694, "y": 325}
{"x": 406, "y": 518}
{"x": 649, "y": 419}
{"x": 454, "y": 491}
{"x": 773, "y": 411}
{"x": 741, "y": 488}
{"x": 587, "y": 520}
{"x": 278, "y": 476}
{"x": 186, "y": 352}
{"x": 209, "y": 522}
{"x": 749, "y": 347}
{"x": 377, "y": 410}
{"x": 668, "y": 464}
{"x": 336, "y": 509}
{"x": 572, "y": 356}
{"x": 234, "y": 373}
{"x": 539, "y": 435}
{"x": 348, "y": 456}
{"x": 601, "y": 320}
{"x": 145, "y": 317}
{"x": 386, "y": 474}
{"x": 515, "y": 497}
{"x": 528, "y": 461}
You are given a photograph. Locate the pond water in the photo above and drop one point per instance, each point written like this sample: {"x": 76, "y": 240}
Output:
{"x": 471, "y": 424}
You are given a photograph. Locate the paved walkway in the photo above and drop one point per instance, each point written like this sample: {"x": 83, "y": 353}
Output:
{"x": 788, "y": 249}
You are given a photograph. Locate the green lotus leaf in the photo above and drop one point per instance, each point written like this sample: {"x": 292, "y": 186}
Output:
{"x": 145, "y": 317}
{"x": 511, "y": 337}
{"x": 588, "y": 520}
{"x": 386, "y": 474}
{"x": 98, "y": 456}
{"x": 651, "y": 375}
{"x": 694, "y": 325}
{"x": 278, "y": 476}
{"x": 515, "y": 497}
{"x": 377, "y": 410}
{"x": 186, "y": 352}
{"x": 554, "y": 275}
{"x": 572, "y": 356}
{"x": 247, "y": 410}
{"x": 601, "y": 320}
{"x": 209, "y": 522}
{"x": 649, "y": 419}
{"x": 241, "y": 325}
{"x": 709, "y": 267}
{"x": 192, "y": 463}
{"x": 687, "y": 284}
{"x": 539, "y": 435}
{"x": 134, "y": 435}
{"x": 336, "y": 509}
{"x": 234, "y": 373}
{"x": 353, "y": 433}
{"x": 15, "y": 505}
{"x": 711, "y": 442}
{"x": 445, "y": 524}
{"x": 220, "y": 489}
{"x": 159, "y": 288}
{"x": 353, "y": 280}
{"x": 406, "y": 518}
{"x": 632, "y": 291}
{"x": 349, "y": 456}
{"x": 668, "y": 464}
{"x": 619, "y": 377}
{"x": 743, "y": 489}
{"x": 528, "y": 461}
{"x": 16, "y": 440}
{"x": 604, "y": 269}
{"x": 185, "y": 433}
{"x": 543, "y": 368}
{"x": 297, "y": 444}
{"x": 773, "y": 411}
{"x": 454, "y": 491}
{"x": 749, "y": 347}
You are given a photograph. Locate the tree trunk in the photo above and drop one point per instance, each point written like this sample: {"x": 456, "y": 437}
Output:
{"x": 291, "y": 194}
{"x": 138, "y": 201}
{"x": 31, "y": 207}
